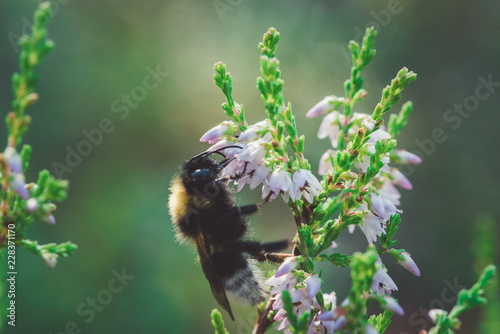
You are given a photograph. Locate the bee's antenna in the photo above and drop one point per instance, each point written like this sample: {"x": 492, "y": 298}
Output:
{"x": 207, "y": 153}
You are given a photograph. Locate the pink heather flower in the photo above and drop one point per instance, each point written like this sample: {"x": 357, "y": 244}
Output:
{"x": 322, "y": 107}
{"x": 409, "y": 264}
{"x": 408, "y": 157}
{"x": 313, "y": 284}
{"x": 216, "y": 133}
{"x": 400, "y": 179}
{"x": 32, "y": 205}
{"x": 50, "y": 259}
{"x": 325, "y": 163}
{"x": 382, "y": 282}
{"x": 255, "y": 131}
{"x": 279, "y": 182}
{"x": 330, "y": 127}
{"x": 306, "y": 184}
{"x": 393, "y": 306}
{"x": 286, "y": 267}
{"x": 18, "y": 185}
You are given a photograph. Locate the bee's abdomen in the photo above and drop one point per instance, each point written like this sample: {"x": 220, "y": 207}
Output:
{"x": 241, "y": 278}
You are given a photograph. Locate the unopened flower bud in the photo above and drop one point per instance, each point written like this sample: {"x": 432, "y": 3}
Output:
{"x": 348, "y": 176}
{"x": 31, "y": 99}
{"x": 435, "y": 313}
{"x": 287, "y": 266}
{"x": 321, "y": 107}
{"x": 49, "y": 219}
{"x": 313, "y": 284}
{"x": 32, "y": 205}
{"x": 409, "y": 264}
{"x": 393, "y": 306}
{"x": 18, "y": 185}
{"x": 215, "y": 134}
{"x": 15, "y": 163}
{"x": 408, "y": 157}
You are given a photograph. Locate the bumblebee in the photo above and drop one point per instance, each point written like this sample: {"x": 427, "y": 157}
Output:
{"x": 203, "y": 211}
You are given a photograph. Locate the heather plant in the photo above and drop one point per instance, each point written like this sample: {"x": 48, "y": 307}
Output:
{"x": 357, "y": 188}
{"x": 22, "y": 202}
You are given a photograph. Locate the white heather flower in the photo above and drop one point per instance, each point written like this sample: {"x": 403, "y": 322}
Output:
{"x": 325, "y": 163}
{"x": 330, "y": 127}
{"x": 435, "y": 313}
{"x": 400, "y": 179}
{"x": 278, "y": 182}
{"x": 371, "y": 225}
{"x": 284, "y": 282}
{"x": 388, "y": 191}
{"x": 368, "y": 123}
{"x": 408, "y": 157}
{"x": 215, "y": 134}
{"x": 409, "y": 264}
{"x": 322, "y": 107}
{"x": 32, "y": 205}
{"x": 50, "y": 259}
{"x": 379, "y": 135}
{"x": 306, "y": 184}
{"x": 255, "y": 131}
{"x": 258, "y": 175}
{"x": 254, "y": 153}
{"x": 382, "y": 282}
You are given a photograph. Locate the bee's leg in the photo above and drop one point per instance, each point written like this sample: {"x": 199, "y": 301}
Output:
{"x": 262, "y": 251}
{"x": 240, "y": 210}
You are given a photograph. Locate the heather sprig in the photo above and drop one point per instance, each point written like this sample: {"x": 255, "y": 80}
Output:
{"x": 22, "y": 202}
{"x": 359, "y": 190}
{"x": 447, "y": 323}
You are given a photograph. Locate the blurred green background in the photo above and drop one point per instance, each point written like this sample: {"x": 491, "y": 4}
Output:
{"x": 116, "y": 211}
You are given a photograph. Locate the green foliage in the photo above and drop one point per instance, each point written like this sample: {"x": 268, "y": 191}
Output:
{"x": 298, "y": 325}
{"x": 399, "y": 121}
{"x": 217, "y": 322}
{"x": 224, "y": 81}
{"x": 381, "y": 322}
{"x": 447, "y": 323}
{"x": 363, "y": 268}
{"x": 21, "y": 202}
{"x": 485, "y": 247}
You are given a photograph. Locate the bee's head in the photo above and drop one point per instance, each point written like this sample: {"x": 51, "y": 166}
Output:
{"x": 201, "y": 171}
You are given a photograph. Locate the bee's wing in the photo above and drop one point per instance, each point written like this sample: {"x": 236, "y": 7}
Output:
{"x": 218, "y": 290}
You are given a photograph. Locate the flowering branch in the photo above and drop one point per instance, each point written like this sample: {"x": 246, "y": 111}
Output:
{"x": 358, "y": 189}
{"x": 21, "y": 203}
